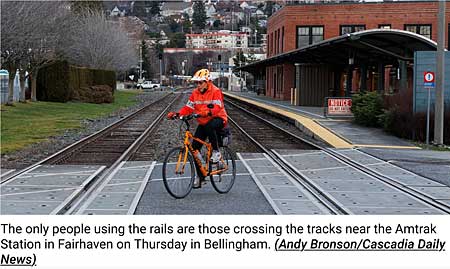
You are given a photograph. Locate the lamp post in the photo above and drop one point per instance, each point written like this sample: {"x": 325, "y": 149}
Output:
{"x": 140, "y": 63}
{"x": 209, "y": 63}
{"x": 219, "y": 57}
{"x": 183, "y": 63}
{"x": 160, "y": 68}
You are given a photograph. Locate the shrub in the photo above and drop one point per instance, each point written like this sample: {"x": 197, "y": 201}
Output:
{"x": 367, "y": 108}
{"x": 52, "y": 82}
{"x": 399, "y": 119}
{"x": 94, "y": 94}
{"x": 60, "y": 82}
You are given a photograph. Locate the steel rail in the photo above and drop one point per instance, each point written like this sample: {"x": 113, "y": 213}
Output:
{"x": 91, "y": 188}
{"x": 374, "y": 174}
{"x": 80, "y": 143}
{"x": 327, "y": 201}
{"x": 392, "y": 182}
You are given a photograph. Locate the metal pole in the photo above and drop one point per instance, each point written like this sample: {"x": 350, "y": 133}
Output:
{"x": 220, "y": 78}
{"x": 160, "y": 72}
{"x": 297, "y": 85}
{"x": 140, "y": 62}
{"x": 428, "y": 116}
{"x": 439, "y": 100}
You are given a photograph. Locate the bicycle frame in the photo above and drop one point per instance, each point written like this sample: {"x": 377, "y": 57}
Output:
{"x": 204, "y": 169}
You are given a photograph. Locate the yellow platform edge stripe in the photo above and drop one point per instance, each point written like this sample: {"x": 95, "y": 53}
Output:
{"x": 385, "y": 146}
{"x": 326, "y": 135}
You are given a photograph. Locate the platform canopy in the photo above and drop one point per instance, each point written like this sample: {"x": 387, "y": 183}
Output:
{"x": 370, "y": 46}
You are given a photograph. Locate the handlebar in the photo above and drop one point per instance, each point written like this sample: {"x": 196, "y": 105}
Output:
{"x": 189, "y": 117}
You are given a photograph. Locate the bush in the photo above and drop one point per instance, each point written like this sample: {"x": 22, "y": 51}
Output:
{"x": 59, "y": 81}
{"x": 94, "y": 94}
{"x": 399, "y": 119}
{"x": 52, "y": 82}
{"x": 367, "y": 108}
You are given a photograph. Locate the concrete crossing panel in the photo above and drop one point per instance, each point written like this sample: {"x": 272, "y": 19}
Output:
{"x": 282, "y": 191}
{"x": 361, "y": 193}
{"x": 394, "y": 211}
{"x": 354, "y": 185}
{"x": 440, "y": 193}
{"x": 45, "y": 189}
{"x": 121, "y": 190}
{"x": 317, "y": 160}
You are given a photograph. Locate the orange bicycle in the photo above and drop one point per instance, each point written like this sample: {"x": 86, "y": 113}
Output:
{"x": 178, "y": 169}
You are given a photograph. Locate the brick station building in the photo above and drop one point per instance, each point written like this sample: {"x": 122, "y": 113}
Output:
{"x": 336, "y": 71}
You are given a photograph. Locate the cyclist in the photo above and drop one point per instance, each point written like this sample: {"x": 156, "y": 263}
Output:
{"x": 207, "y": 101}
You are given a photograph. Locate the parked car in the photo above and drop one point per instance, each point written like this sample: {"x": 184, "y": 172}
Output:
{"x": 148, "y": 85}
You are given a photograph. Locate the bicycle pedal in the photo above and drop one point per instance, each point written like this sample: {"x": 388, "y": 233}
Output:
{"x": 198, "y": 185}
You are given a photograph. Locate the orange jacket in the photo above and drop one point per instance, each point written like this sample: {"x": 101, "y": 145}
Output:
{"x": 199, "y": 102}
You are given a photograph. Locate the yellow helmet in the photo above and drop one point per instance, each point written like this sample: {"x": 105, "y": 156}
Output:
{"x": 201, "y": 75}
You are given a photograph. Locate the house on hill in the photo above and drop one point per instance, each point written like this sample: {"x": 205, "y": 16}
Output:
{"x": 176, "y": 8}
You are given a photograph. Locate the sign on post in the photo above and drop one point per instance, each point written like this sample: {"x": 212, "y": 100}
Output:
{"x": 428, "y": 79}
{"x": 428, "y": 83}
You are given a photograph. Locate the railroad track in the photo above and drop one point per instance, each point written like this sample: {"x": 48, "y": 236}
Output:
{"x": 103, "y": 152}
{"x": 271, "y": 139}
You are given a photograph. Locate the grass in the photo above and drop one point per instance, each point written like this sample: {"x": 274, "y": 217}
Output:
{"x": 27, "y": 123}
{"x": 433, "y": 147}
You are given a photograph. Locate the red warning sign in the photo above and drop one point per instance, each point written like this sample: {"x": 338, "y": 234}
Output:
{"x": 339, "y": 107}
{"x": 428, "y": 79}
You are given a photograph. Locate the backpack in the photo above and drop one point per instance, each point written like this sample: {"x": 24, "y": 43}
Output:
{"x": 224, "y": 136}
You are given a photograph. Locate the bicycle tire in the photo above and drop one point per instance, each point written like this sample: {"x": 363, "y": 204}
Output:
{"x": 169, "y": 175}
{"x": 223, "y": 183}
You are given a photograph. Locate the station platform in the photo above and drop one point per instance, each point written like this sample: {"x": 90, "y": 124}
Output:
{"x": 338, "y": 133}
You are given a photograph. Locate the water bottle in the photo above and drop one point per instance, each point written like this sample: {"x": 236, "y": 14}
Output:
{"x": 199, "y": 156}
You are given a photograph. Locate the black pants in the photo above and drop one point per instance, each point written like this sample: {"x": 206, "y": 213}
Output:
{"x": 209, "y": 131}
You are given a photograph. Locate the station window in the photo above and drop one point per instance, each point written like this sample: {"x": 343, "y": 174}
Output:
{"x": 421, "y": 29}
{"x": 347, "y": 29}
{"x": 384, "y": 26}
{"x": 307, "y": 35}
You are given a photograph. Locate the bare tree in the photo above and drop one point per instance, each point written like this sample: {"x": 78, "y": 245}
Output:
{"x": 98, "y": 43}
{"x": 30, "y": 33}
{"x": 35, "y": 33}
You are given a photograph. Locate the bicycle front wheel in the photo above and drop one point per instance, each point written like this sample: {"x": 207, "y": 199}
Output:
{"x": 178, "y": 174}
{"x": 223, "y": 182}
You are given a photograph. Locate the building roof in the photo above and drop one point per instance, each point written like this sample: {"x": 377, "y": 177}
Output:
{"x": 370, "y": 46}
{"x": 175, "y": 6}
{"x": 215, "y": 34}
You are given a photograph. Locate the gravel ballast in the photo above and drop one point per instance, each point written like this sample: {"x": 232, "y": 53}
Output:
{"x": 39, "y": 151}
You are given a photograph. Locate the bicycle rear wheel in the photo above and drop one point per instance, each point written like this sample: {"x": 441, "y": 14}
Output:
{"x": 178, "y": 177}
{"x": 222, "y": 183}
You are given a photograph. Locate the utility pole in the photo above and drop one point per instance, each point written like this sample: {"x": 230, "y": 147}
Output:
{"x": 160, "y": 68}
{"x": 140, "y": 63}
{"x": 440, "y": 78}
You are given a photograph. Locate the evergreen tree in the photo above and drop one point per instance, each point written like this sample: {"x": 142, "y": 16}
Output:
{"x": 269, "y": 8}
{"x": 177, "y": 40}
{"x": 154, "y": 8}
{"x": 139, "y": 9}
{"x": 186, "y": 24}
{"x": 174, "y": 26}
{"x": 146, "y": 60}
{"x": 79, "y": 7}
{"x": 199, "y": 15}
{"x": 239, "y": 59}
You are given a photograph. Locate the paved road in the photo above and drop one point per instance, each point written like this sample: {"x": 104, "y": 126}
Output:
{"x": 431, "y": 164}
{"x": 244, "y": 198}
